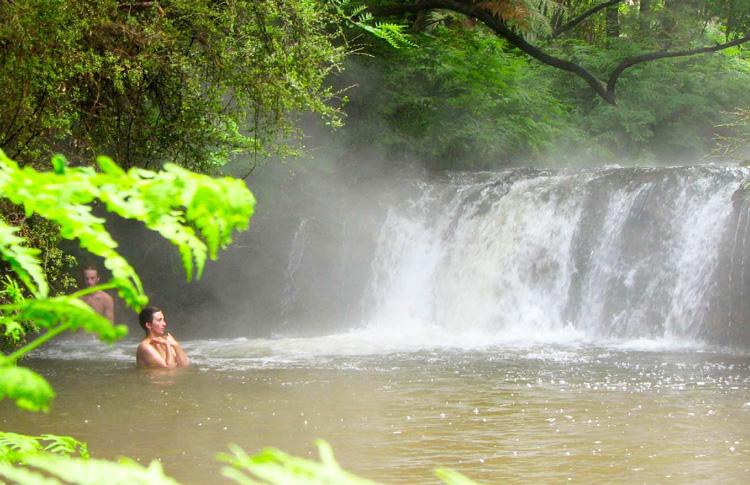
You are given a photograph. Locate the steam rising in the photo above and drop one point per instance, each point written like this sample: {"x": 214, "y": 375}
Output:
{"x": 522, "y": 255}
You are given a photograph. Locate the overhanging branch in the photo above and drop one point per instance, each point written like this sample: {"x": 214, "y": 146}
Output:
{"x": 471, "y": 9}
{"x": 606, "y": 91}
{"x": 652, "y": 56}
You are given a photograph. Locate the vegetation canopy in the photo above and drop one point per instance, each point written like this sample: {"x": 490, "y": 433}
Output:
{"x": 671, "y": 29}
{"x": 467, "y": 98}
{"x": 193, "y": 82}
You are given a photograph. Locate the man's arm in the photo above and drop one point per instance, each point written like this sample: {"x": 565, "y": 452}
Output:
{"x": 180, "y": 355}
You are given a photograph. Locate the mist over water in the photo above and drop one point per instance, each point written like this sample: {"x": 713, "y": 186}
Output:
{"x": 643, "y": 258}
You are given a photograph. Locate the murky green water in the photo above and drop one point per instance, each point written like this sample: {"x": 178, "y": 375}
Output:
{"x": 537, "y": 415}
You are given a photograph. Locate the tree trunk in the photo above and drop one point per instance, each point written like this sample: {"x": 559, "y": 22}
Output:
{"x": 644, "y": 14}
{"x": 613, "y": 22}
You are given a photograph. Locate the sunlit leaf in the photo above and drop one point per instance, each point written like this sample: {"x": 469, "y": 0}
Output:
{"x": 273, "y": 466}
{"x": 25, "y": 476}
{"x": 28, "y": 389}
{"x": 64, "y": 310}
{"x": 22, "y": 259}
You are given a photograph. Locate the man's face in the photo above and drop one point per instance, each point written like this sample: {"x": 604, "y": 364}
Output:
{"x": 90, "y": 277}
{"x": 157, "y": 325}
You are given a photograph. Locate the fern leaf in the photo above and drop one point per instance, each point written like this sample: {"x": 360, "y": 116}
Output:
{"x": 72, "y": 312}
{"x": 14, "y": 443}
{"x": 95, "y": 472}
{"x": 22, "y": 260}
{"x": 276, "y": 467}
{"x": 28, "y": 389}
{"x": 26, "y": 477}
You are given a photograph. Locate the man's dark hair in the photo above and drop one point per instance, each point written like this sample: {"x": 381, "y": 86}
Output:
{"x": 89, "y": 267}
{"x": 147, "y": 315}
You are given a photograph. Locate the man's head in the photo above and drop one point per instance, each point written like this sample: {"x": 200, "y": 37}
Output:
{"x": 90, "y": 276}
{"x": 151, "y": 319}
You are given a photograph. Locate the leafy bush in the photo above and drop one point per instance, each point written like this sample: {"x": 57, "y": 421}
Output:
{"x": 195, "y": 82}
{"x": 465, "y": 99}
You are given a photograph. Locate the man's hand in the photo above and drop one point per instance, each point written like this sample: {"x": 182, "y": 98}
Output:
{"x": 167, "y": 349}
{"x": 171, "y": 340}
{"x": 159, "y": 341}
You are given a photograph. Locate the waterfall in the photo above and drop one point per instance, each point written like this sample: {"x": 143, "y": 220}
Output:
{"x": 613, "y": 253}
{"x": 296, "y": 254}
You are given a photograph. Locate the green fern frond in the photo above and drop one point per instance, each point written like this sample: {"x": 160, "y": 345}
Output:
{"x": 274, "y": 466}
{"x": 28, "y": 389}
{"x": 195, "y": 212}
{"x": 95, "y": 472}
{"x": 22, "y": 260}
{"x": 25, "y": 476}
{"x": 14, "y": 447}
{"x": 357, "y": 15}
{"x": 71, "y": 313}
{"x": 65, "y": 445}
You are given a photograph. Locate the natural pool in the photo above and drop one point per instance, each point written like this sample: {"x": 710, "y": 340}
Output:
{"x": 536, "y": 413}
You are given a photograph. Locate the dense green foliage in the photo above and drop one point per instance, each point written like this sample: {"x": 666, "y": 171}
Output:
{"x": 460, "y": 100}
{"x": 185, "y": 81}
{"x": 668, "y": 111}
{"x": 192, "y": 82}
{"x": 467, "y": 99}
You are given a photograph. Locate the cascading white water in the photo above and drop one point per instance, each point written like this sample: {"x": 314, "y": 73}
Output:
{"x": 296, "y": 253}
{"x": 529, "y": 255}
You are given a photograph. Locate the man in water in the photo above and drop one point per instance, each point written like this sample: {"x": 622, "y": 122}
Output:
{"x": 100, "y": 301}
{"x": 159, "y": 348}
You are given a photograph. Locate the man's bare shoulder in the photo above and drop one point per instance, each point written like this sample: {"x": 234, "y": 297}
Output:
{"x": 98, "y": 296}
{"x": 144, "y": 352}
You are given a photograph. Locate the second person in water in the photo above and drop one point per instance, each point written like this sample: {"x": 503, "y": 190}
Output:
{"x": 159, "y": 348}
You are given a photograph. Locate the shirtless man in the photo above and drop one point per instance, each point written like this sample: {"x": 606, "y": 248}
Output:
{"x": 100, "y": 301}
{"x": 159, "y": 348}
